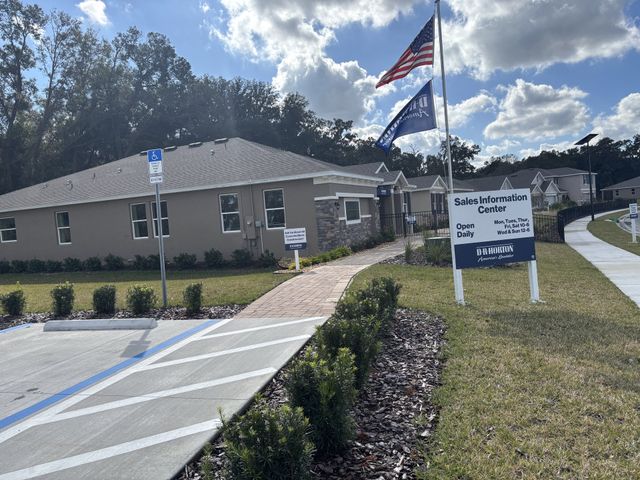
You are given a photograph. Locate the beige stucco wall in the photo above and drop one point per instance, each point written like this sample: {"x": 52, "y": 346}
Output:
{"x": 577, "y": 191}
{"x": 628, "y": 193}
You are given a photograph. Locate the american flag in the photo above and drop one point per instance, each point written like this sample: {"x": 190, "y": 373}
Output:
{"x": 419, "y": 53}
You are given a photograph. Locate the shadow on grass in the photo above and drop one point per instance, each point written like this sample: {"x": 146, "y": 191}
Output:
{"x": 583, "y": 337}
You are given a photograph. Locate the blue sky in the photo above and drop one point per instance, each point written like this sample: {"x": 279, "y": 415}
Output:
{"x": 521, "y": 74}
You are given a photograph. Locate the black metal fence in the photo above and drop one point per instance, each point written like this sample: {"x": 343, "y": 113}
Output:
{"x": 568, "y": 215}
{"x": 545, "y": 228}
{"x": 436, "y": 224}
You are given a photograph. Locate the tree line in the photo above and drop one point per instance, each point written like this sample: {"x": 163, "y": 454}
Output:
{"x": 70, "y": 100}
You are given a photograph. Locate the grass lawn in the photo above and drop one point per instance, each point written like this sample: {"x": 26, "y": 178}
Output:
{"x": 610, "y": 232}
{"x": 532, "y": 391}
{"x": 219, "y": 287}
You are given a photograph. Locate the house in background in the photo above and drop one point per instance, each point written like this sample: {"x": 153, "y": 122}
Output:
{"x": 226, "y": 194}
{"x": 430, "y": 194}
{"x": 629, "y": 190}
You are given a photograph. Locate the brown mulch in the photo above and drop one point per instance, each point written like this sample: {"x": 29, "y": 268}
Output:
{"x": 171, "y": 313}
{"x": 393, "y": 413}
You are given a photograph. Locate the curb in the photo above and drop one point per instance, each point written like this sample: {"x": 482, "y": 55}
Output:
{"x": 101, "y": 324}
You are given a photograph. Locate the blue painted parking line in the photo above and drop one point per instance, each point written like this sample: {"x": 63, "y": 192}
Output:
{"x": 47, "y": 402}
{"x": 17, "y": 327}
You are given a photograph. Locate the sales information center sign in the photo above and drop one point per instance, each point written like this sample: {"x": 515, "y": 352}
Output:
{"x": 492, "y": 228}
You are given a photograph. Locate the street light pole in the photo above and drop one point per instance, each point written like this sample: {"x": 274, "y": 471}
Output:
{"x": 586, "y": 141}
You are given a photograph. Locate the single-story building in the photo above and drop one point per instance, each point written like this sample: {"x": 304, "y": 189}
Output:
{"x": 226, "y": 194}
{"x": 629, "y": 189}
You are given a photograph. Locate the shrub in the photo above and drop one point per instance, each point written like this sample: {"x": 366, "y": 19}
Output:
{"x": 104, "y": 299}
{"x": 71, "y": 264}
{"x": 141, "y": 299}
{"x": 153, "y": 262}
{"x": 53, "y": 266}
{"x": 213, "y": 258}
{"x": 63, "y": 297}
{"x": 267, "y": 260}
{"x": 36, "y": 266}
{"x": 92, "y": 264}
{"x": 140, "y": 262}
{"x": 438, "y": 251}
{"x": 269, "y": 444}
{"x": 383, "y": 293}
{"x": 359, "y": 335}
{"x": 241, "y": 258}
{"x": 185, "y": 261}
{"x": 13, "y": 303}
{"x": 19, "y": 266}
{"x": 113, "y": 262}
{"x": 5, "y": 266}
{"x": 408, "y": 250}
{"x": 388, "y": 235}
{"x": 325, "y": 390}
{"x": 192, "y": 297}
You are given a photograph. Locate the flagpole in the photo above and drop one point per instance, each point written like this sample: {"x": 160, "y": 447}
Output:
{"x": 457, "y": 274}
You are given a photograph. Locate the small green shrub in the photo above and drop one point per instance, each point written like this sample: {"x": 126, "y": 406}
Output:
{"x": 54, "y": 266}
{"x": 185, "y": 261}
{"x": 140, "y": 262}
{"x": 19, "y": 266}
{"x": 325, "y": 390}
{"x": 408, "y": 251}
{"x": 359, "y": 335}
{"x": 113, "y": 262}
{"x": 213, "y": 258}
{"x": 437, "y": 251}
{"x": 242, "y": 258}
{"x": 267, "y": 260}
{"x": 36, "y": 266}
{"x": 71, "y": 264}
{"x": 5, "y": 266}
{"x": 13, "y": 302}
{"x": 388, "y": 235}
{"x": 141, "y": 299}
{"x": 382, "y": 292}
{"x": 269, "y": 444}
{"x": 63, "y": 297}
{"x": 192, "y": 297}
{"x": 104, "y": 300}
{"x": 153, "y": 262}
{"x": 92, "y": 264}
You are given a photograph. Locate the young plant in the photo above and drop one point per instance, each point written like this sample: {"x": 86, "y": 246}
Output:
{"x": 104, "y": 300}
{"x": 13, "y": 303}
{"x": 192, "y": 297}
{"x": 141, "y": 299}
{"x": 63, "y": 297}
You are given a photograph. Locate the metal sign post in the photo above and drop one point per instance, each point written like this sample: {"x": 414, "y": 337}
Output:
{"x": 295, "y": 239}
{"x": 633, "y": 215}
{"x": 155, "y": 178}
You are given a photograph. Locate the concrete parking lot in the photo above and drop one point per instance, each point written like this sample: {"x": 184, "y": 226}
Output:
{"x": 130, "y": 404}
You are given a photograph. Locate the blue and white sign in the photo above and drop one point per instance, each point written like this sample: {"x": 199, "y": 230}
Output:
{"x": 155, "y": 163}
{"x": 633, "y": 210}
{"x": 383, "y": 191}
{"x": 492, "y": 228}
{"x": 295, "y": 238}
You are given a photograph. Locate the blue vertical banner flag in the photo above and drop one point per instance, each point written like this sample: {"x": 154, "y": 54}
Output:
{"x": 416, "y": 116}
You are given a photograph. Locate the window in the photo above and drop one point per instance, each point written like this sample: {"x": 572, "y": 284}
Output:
{"x": 230, "y": 212}
{"x": 617, "y": 193}
{"x": 139, "y": 223}
{"x": 274, "y": 208}
{"x": 8, "y": 231}
{"x": 64, "y": 228}
{"x": 164, "y": 216}
{"x": 352, "y": 210}
{"x": 585, "y": 179}
{"x": 633, "y": 191}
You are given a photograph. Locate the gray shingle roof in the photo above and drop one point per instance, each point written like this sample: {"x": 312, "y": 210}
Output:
{"x": 364, "y": 168}
{"x": 425, "y": 181}
{"x": 630, "y": 183}
{"x": 484, "y": 184}
{"x": 210, "y": 165}
{"x": 559, "y": 172}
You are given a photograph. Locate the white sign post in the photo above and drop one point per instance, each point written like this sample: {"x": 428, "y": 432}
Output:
{"x": 295, "y": 239}
{"x": 155, "y": 178}
{"x": 633, "y": 215}
{"x": 494, "y": 228}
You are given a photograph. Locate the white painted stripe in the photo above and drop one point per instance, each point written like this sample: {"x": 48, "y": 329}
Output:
{"x": 126, "y": 402}
{"x": 255, "y": 329}
{"x": 62, "y": 406}
{"x": 104, "y": 453}
{"x": 221, "y": 353}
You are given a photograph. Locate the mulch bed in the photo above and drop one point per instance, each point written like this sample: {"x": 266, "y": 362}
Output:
{"x": 393, "y": 413}
{"x": 171, "y": 313}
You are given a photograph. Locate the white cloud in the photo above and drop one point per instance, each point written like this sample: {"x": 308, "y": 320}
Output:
{"x": 95, "y": 11}
{"x": 547, "y": 147}
{"x": 503, "y": 148}
{"x": 294, "y": 35}
{"x": 624, "y": 122}
{"x": 537, "y": 111}
{"x": 204, "y": 7}
{"x": 513, "y": 34}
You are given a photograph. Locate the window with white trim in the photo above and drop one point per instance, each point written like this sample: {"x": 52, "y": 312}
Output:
{"x": 8, "y": 232}
{"x": 139, "y": 224}
{"x": 64, "y": 228}
{"x": 230, "y": 212}
{"x": 352, "y": 211}
{"x": 164, "y": 217}
{"x": 274, "y": 208}
{"x": 585, "y": 179}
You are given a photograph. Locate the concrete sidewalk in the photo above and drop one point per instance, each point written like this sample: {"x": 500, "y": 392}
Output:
{"x": 619, "y": 266}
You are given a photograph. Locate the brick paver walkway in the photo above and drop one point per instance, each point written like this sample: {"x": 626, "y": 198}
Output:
{"x": 316, "y": 292}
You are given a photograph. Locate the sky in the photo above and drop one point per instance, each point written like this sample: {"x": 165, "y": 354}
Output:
{"x": 522, "y": 75}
